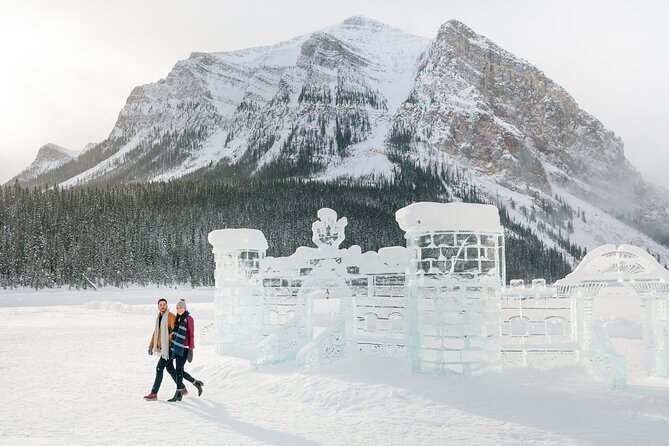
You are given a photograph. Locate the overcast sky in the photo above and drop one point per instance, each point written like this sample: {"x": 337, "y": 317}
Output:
{"x": 68, "y": 66}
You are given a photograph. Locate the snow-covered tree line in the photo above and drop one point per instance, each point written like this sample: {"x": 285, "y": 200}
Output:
{"x": 157, "y": 233}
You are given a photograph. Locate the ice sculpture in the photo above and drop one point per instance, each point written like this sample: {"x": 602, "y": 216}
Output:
{"x": 453, "y": 286}
{"x": 635, "y": 269}
{"x": 452, "y": 272}
{"x": 238, "y": 300}
{"x": 295, "y": 338}
{"x": 328, "y": 232}
{"x": 440, "y": 302}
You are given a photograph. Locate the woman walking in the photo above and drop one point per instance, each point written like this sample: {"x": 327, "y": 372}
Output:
{"x": 183, "y": 343}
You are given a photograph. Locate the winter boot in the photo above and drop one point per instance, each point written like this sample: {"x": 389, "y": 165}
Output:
{"x": 176, "y": 397}
{"x": 151, "y": 397}
{"x": 198, "y": 385}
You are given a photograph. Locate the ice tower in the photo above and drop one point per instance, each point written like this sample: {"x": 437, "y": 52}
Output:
{"x": 238, "y": 254}
{"x": 453, "y": 286}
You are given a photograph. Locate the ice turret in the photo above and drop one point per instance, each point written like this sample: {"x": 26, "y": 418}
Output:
{"x": 453, "y": 286}
{"x": 238, "y": 301}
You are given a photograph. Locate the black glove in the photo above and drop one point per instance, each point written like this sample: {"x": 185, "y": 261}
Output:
{"x": 150, "y": 352}
{"x": 190, "y": 355}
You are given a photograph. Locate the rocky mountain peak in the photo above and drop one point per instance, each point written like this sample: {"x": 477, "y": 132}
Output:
{"x": 50, "y": 156}
{"x": 325, "y": 49}
{"x": 455, "y": 27}
{"x": 53, "y": 151}
{"x": 539, "y": 127}
{"x": 363, "y": 22}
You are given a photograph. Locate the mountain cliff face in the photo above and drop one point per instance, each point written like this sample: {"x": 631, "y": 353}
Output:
{"x": 362, "y": 99}
{"x": 482, "y": 105}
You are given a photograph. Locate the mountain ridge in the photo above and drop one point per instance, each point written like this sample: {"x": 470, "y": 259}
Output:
{"x": 359, "y": 99}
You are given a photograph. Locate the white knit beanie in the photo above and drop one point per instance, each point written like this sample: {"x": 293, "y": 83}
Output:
{"x": 182, "y": 303}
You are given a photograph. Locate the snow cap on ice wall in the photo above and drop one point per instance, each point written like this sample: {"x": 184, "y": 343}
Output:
{"x": 426, "y": 217}
{"x": 238, "y": 239}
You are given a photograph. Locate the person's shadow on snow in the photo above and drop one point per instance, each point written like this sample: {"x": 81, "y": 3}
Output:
{"x": 217, "y": 413}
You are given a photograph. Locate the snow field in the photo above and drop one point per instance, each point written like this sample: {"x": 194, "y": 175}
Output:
{"x": 76, "y": 374}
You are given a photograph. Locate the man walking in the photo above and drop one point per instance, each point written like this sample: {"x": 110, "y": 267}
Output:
{"x": 160, "y": 343}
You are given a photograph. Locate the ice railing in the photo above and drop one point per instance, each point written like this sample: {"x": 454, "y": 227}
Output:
{"x": 591, "y": 288}
{"x": 380, "y": 313}
{"x": 279, "y": 300}
{"x": 379, "y": 306}
{"x": 650, "y": 286}
{"x": 538, "y": 327}
{"x": 326, "y": 348}
{"x": 283, "y": 344}
{"x": 286, "y": 342}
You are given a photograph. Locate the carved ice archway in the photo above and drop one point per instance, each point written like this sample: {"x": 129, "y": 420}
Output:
{"x": 639, "y": 272}
{"x": 619, "y": 263}
{"x": 327, "y": 277}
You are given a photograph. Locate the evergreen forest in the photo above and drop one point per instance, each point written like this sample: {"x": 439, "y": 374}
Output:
{"x": 156, "y": 233}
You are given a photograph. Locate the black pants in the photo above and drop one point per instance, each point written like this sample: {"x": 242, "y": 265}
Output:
{"x": 181, "y": 374}
{"x": 163, "y": 364}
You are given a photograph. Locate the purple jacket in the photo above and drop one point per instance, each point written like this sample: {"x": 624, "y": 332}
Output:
{"x": 190, "y": 332}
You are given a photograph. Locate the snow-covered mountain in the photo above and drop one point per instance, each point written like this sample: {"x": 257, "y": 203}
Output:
{"x": 49, "y": 157}
{"x": 358, "y": 99}
{"x": 500, "y": 115}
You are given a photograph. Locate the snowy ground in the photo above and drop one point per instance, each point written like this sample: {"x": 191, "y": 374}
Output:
{"x": 76, "y": 374}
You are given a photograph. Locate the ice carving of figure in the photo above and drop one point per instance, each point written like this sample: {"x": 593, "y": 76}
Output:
{"x": 328, "y": 233}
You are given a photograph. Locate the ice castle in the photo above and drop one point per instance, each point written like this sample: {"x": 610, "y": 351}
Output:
{"x": 440, "y": 302}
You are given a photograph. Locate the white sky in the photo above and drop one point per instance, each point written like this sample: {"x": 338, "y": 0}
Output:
{"x": 67, "y": 66}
